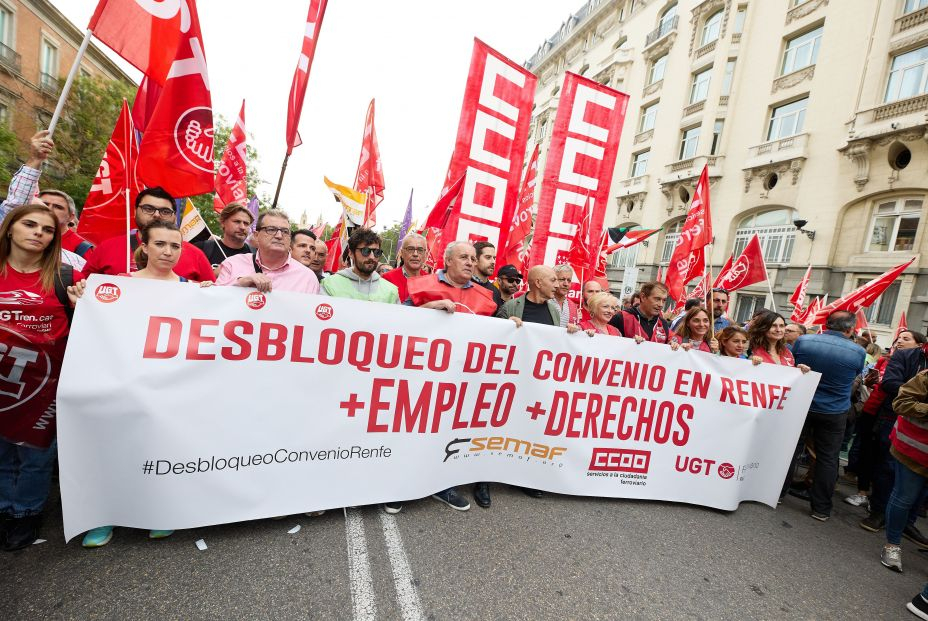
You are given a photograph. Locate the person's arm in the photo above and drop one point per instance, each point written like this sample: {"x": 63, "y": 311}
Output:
{"x": 25, "y": 182}
{"x": 911, "y": 401}
{"x": 503, "y": 311}
{"x": 897, "y": 372}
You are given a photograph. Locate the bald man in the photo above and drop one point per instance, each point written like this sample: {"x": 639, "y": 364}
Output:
{"x": 538, "y": 305}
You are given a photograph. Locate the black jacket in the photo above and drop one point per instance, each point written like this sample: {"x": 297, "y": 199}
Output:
{"x": 903, "y": 366}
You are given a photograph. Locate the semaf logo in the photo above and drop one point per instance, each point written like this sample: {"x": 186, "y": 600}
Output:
{"x": 107, "y": 293}
{"x": 620, "y": 460}
{"x": 255, "y": 300}
{"x": 324, "y": 312}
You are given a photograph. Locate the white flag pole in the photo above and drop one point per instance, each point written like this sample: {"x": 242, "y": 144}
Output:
{"x": 66, "y": 90}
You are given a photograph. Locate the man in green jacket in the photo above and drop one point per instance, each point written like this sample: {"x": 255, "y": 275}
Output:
{"x": 536, "y": 306}
{"x": 361, "y": 281}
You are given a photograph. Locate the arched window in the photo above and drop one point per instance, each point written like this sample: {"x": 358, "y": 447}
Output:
{"x": 665, "y": 25}
{"x": 711, "y": 29}
{"x": 776, "y": 232}
{"x": 671, "y": 235}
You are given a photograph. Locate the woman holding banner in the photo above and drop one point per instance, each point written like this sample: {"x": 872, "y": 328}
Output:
{"x": 693, "y": 332}
{"x": 767, "y": 340}
{"x": 38, "y": 293}
{"x": 602, "y": 307}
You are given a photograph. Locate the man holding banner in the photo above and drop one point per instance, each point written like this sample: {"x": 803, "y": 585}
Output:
{"x": 645, "y": 321}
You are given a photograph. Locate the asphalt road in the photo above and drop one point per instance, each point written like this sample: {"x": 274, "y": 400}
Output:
{"x": 557, "y": 557}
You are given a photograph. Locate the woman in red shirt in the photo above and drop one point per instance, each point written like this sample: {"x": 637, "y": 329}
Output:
{"x": 693, "y": 332}
{"x": 602, "y": 307}
{"x": 767, "y": 341}
{"x": 33, "y": 333}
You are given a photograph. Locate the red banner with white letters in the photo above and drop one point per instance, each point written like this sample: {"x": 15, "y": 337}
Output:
{"x": 491, "y": 143}
{"x": 232, "y": 176}
{"x": 580, "y": 163}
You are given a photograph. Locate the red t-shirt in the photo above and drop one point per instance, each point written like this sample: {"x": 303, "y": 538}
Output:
{"x": 398, "y": 278}
{"x": 33, "y": 334}
{"x": 587, "y": 324}
{"x": 110, "y": 258}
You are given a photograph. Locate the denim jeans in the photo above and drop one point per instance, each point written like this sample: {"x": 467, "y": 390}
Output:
{"x": 827, "y": 432}
{"x": 903, "y": 502}
{"x": 25, "y": 476}
{"x": 883, "y": 466}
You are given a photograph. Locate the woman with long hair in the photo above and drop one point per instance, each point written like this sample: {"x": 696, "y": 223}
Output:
{"x": 693, "y": 332}
{"x": 767, "y": 340}
{"x": 36, "y": 296}
{"x": 602, "y": 307}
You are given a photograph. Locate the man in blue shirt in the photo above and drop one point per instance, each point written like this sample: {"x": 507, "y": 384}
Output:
{"x": 840, "y": 360}
{"x": 719, "y": 308}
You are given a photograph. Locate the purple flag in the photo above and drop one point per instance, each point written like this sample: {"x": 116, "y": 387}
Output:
{"x": 407, "y": 219}
{"x": 253, "y": 208}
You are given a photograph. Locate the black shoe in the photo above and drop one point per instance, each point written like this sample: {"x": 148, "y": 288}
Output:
{"x": 874, "y": 522}
{"x": 800, "y": 493}
{"x": 22, "y": 532}
{"x": 531, "y": 493}
{"x": 482, "y": 494}
{"x": 918, "y": 607}
{"x": 451, "y": 498}
{"x": 912, "y": 533}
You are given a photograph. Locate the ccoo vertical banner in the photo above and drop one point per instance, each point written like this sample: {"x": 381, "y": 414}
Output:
{"x": 580, "y": 162}
{"x": 491, "y": 143}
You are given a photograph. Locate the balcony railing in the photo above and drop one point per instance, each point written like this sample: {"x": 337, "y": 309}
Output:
{"x": 699, "y": 106}
{"x": 708, "y": 48}
{"x": 694, "y": 164}
{"x": 49, "y": 84}
{"x": 662, "y": 31}
{"x": 910, "y": 20}
{"x": 901, "y": 107}
{"x": 10, "y": 59}
{"x": 785, "y": 149}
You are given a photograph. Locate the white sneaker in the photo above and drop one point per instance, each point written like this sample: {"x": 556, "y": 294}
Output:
{"x": 858, "y": 500}
{"x": 892, "y": 557}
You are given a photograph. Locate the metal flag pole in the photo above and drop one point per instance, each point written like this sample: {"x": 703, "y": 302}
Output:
{"x": 280, "y": 181}
{"x": 67, "y": 84}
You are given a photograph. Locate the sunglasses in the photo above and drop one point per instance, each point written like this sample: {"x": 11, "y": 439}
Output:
{"x": 366, "y": 252}
{"x": 511, "y": 280}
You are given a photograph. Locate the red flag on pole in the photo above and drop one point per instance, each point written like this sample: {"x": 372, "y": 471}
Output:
{"x": 144, "y": 105}
{"x": 865, "y": 295}
{"x": 724, "y": 269}
{"x": 696, "y": 234}
{"x": 799, "y": 295}
{"x": 746, "y": 270}
{"x": 232, "y": 176}
{"x": 369, "y": 178}
{"x": 578, "y": 256}
{"x": 861, "y": 321}
{"x": 440, "y": 215}
{"x": 807, "y": 317}
{"x": 902, "y": 327}
{"x": 104, "y": 213}
{"x": 518, "y": 250}
{"x": 301, "y": 75}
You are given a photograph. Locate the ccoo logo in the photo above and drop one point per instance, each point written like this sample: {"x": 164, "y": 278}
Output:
{"x": 107, "y": 293}
{"x": 255, "y": 300}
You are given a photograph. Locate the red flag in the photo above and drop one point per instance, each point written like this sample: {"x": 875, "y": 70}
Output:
{"x": 696, "y": 234}
{"x": 579, "y": 164}
{"x": 579, "y": 256}
{"x": 807, "y": 317}
{"x": 335, "y": 249}
{"x": 105, "y": 210}
{"x": 724, "y": 270}
{"x": 660, "y": 274}
{"x": 518, "y": 250}
{"x": 699, "y": 291}
{"x": 861, "y": 321}
{"x": 231, "y": 178}
{"x": 865, "y": 295}
{"x": 902, "y": 327}
{"x": 799, "y": 295}
{"x": 177, "y": 148}
{"x": 699, "y": 207}
{"x": 632, "y": 238}
{"x": 369, "y": 178}
{"x": 441, "y": 213}
{"x": 301, "y": 75}
{"x": 746, "y": 270}
{"x": 598, "y": 256}
{"x": 144, "y": 105}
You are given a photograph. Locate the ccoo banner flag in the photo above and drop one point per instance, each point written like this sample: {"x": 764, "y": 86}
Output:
{"x": 421, "y": 401}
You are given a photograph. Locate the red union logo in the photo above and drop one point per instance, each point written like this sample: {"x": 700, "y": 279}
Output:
{"x": 255, "y": 300}
{"x": 193, "y": 137}
{"x": 726, "y": 470}
{"x": 324, "y": 312}
{"x": 620, "y": 460}
{"x": 107, "y": 293}
{"x": 24, "y": 372}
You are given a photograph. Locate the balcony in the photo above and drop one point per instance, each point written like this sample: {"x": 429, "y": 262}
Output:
{"x": 708, "y": 48}
{"x": 644, "y": 136}
{"x": 692, "y": 167}
{"x": 651, "y": 89}
{"x": 692, "y": 109}
{"x": 662, "y": 31}
{"x": 633, "y": 185}
{"x": 784, "y": 151}
{"x": 901, "y": 108}
{"x": 10, "y": 59}
{"x": 49, "y": 85}
{"x": 910, "y": 20}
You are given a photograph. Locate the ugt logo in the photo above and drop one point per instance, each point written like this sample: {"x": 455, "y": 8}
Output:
{"x": 24, "y": 371}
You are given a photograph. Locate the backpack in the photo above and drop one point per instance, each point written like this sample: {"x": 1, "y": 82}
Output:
{"x": 83, "y": 248}
{"x": 63, "y": 280}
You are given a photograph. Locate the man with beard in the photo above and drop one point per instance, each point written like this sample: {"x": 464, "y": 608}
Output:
{"x": 317, "y": 265}
{"x": 719, "y": 308}
{"x": 235, "y": 220}
{"x": 361, "y": 281}
{"x": 508, "y": 281}
{"x": 486, "y": 262}
{"x": 150, "y": 205}
{"x": 413, "y": 251}
{"x": 303, "y": 247}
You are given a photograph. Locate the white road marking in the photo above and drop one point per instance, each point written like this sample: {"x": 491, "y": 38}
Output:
{"x": 407, "y": 595}
{"x": 359, "y": 568}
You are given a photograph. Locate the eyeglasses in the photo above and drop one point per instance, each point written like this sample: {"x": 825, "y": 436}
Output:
{"x": 274, "y": 230}
{"x": 414, "y": 250}
{"x": 366, "y": 252}
{"x": 164, "y": 212}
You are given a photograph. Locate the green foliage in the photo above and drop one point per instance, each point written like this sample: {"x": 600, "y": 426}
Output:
{"x": 9, "y": 155}
{"x": 389, "y": 242}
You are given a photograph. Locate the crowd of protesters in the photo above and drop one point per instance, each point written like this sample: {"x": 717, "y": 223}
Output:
{"x": 870, "y": 401}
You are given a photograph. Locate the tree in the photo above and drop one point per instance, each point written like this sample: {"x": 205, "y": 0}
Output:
{"x": 389, "y": 242}
{"x": 9, "y": 155}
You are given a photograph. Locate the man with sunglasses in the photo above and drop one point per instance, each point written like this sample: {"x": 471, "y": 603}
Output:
{"x": 508, "y": 282}
{"x": 361, "y": 281}
{"x": 152, "y": 204}
{"x": 271, "y": 267}
{"x": 413, "y": 252}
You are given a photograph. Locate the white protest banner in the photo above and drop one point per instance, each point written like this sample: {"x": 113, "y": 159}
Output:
{"x": 182, "y": 407}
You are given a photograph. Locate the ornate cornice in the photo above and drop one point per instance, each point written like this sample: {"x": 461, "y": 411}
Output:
{"x": 804, "y": 9}
{"x": 792, "y": 79}
{"x": 708, "y": 8}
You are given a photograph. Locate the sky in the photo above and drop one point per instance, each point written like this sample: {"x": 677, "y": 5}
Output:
{"x": 412, "y": 56}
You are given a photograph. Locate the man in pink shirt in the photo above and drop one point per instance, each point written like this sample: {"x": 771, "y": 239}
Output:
{"x": 271, "y": 267}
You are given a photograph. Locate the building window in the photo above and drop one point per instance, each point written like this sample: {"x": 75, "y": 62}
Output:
{"x": 787, "y": 120}
{"x": 4, "y": 114}
{"x": 914, "y": 5}
{"x": 895, "y": 224}
{"x": 640, "y": 163}
{"x": 542, "y": 130}
{"x": 665, "y": 25}
{"x": 774, "y": 229}
{"x": 648, "y": 117}
{"x": 670, "y": 241}
{"x": 699, "y": 89}
{"x": 49, "y": 58}
{"x": 717, "y": 136}
{"x": 689, "y": 142}
{"x": 738, "y": 27}
{"x": 729, "y": 75}
{"x": 656, "y": 71}
{"x": 6, "y": 27}
{"x": 626, "y": 257}
{"x": 747, "y": 306}
{"x": 801, "y": 51}
{"x": 884, "y": 307}
{"x": 711, "y": 29}
{"x": 909, "y": 75}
